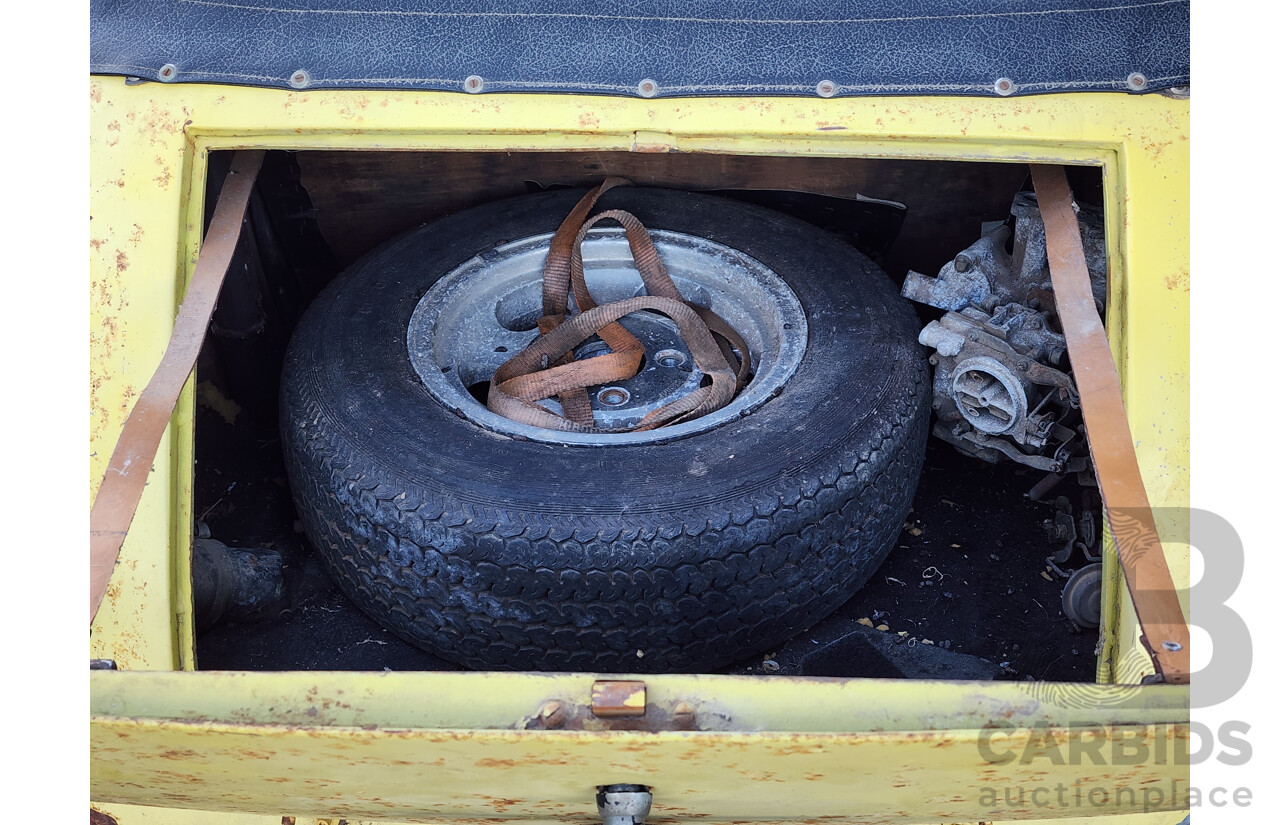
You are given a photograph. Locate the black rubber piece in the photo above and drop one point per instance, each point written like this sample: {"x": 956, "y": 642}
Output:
{"x": 506, "y": 554}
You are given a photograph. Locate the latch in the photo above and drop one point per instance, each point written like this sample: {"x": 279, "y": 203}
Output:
{"x": 615, "y": 704}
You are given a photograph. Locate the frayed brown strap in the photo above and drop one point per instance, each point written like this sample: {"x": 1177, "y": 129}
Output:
{"x": 547, "y": 367}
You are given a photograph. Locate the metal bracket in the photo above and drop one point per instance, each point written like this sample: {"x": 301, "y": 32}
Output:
{"x": 615, "y": 704}
{"x": 615, "y": 698}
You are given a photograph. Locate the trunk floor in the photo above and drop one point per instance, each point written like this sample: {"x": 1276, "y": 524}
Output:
{"x": 968, "y": 574}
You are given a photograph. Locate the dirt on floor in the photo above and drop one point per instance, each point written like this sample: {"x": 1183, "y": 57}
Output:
{"x": 966, "y": 593}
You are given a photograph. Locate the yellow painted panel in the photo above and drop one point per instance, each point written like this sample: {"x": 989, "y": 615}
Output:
{"x": 551, "y": 776}
{"x": 149, "y": 147}
{"x": 141, "y": 815}
{"x": 418, "y": 745}
{"x": 148, "y": 150}
{"x": 137, "y": 151}
{"x": 144, "y": 815}
{"x": 509, "y": 701}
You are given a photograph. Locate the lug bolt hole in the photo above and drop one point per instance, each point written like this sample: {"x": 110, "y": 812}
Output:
{"x": 669, "y": 358}
{"x": 613, "y": 396}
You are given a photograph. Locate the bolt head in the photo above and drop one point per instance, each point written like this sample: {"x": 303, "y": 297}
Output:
{"x": 552, "y": 714}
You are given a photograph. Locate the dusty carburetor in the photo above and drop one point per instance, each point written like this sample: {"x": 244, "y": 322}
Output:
{"x": 1001, "y": 385}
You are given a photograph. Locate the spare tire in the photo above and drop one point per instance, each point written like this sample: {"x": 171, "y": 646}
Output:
{"x": 676, "y": 551}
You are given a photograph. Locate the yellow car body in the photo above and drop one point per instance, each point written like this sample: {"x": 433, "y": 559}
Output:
{"x": 173, "y": 744}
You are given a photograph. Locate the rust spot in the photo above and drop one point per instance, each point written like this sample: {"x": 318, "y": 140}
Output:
{"x": 95, "y": 93}
{"x": 113, "y": 126}
{"x": 97, "y": 243}
{"x": 502, "y": 804}
{"x": 1178, "y": 281}
{"x": 122, "y": 262}
{"x": 495, "y": 763}
{"x": 288, "y": 820}
{"x": 97, "y": 817}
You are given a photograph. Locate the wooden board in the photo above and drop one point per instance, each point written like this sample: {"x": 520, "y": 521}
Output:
{"x": 363, "y": 198}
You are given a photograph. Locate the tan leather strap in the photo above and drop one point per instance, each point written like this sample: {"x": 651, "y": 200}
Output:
{"x": 126, "y": 476}
{"x": 547, "y": 367}
{"x": 1146, "y": 572}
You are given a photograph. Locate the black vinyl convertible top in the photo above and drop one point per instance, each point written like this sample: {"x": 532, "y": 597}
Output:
{"x": 650, "y": 47}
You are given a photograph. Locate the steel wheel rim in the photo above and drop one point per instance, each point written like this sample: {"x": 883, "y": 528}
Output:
{"x": 485, "y": 310}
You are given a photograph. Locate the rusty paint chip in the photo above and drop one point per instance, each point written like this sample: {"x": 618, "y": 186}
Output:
{"x": 617, "y": 698}
{"x": 97, "y": 817}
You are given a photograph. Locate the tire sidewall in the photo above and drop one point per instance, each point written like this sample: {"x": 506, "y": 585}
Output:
{"x": 369, "y": 449}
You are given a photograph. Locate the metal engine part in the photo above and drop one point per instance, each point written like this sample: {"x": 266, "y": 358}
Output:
{"x": 1074, "y": 536}
{"x": 998, "y": 389}
{"x": 234, "y": 584}
{"x": 995, "y": 401}
{"x": 1082, "y": 596}
{"x": 989, "y": 273}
